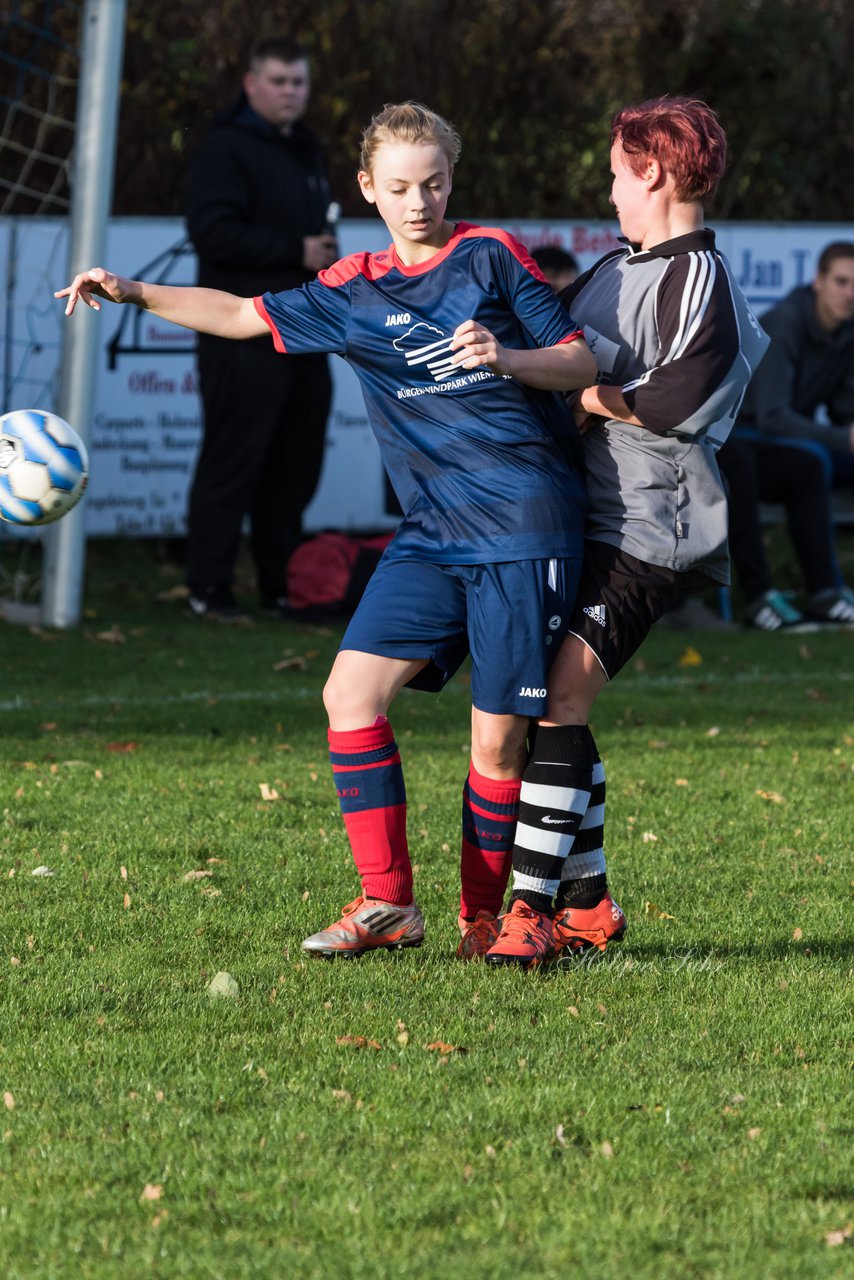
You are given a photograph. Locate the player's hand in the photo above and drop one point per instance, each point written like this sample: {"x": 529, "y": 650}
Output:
{"x": 97, "y": 283}
{"x": 477, "y": 348}
{"x": 584, "y": 420}
{"x": 319, "y": 252}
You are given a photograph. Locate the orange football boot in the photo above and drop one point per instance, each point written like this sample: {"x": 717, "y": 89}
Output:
{"x": 525, "y": 937}
{"x": 477, "y": 936}
{"x": 577, "y": 929}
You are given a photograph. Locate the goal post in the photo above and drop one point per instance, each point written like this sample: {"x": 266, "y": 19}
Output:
{"x": 91, "y": 196}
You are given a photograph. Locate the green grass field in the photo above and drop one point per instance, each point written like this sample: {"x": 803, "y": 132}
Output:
{"x": 680, "y": 1109}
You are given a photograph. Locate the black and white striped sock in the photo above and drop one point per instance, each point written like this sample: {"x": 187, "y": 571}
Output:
{"x": 583, "y": 879}
{"x": 555, "y": 794}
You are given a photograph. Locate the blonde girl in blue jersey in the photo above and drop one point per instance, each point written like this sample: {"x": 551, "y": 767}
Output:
{"x": 459, "y": 345}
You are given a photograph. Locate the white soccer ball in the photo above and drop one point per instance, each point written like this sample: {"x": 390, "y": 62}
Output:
{"x": 44, "y": 467}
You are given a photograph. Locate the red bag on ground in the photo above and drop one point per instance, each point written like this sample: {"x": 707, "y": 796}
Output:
{"x": 327, "y": 574}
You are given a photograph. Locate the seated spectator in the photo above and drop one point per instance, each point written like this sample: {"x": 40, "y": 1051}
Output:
{"x": 559, "y": 266}
{"x": 784, "y": 450}
{"x": 762, "y": 470}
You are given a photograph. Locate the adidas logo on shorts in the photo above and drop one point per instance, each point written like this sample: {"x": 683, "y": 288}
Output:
{"x": 596, "y": 612}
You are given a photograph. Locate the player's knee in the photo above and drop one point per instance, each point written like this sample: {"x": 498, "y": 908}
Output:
{"x": 340, "y": 699}
{"x": 496, "y": 753}
{"x": 566, "y": 708}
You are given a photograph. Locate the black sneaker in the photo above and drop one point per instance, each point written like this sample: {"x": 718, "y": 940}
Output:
{"x": 773, "y": 611}
{"x": 216, "y": 604}
{"x": 835, "y": 606}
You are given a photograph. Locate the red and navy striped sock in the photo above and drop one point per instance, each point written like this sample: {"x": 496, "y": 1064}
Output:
{"x": 369, "y": 778}
{"x": 490, "y": 806}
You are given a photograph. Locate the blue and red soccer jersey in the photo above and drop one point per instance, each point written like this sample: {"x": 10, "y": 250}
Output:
{"x": 474, "y": 458}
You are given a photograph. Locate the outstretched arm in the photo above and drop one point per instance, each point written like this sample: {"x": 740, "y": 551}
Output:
{"x": 600, "y": 401}
{"x": 205, "y": 310}
{"x": 565, "y": 367}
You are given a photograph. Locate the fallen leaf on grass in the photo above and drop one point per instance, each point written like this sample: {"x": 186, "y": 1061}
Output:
{"x": 753, "y": 1134}
{"x": 773, "y": 796}
{"x": 115, "y": 635}
{"x": 297, "y": 663}
{"x": 835, "y": 1238}
{"x": 267, "y": 792}
{"x": 126, "y": 902}
{"x": 151, "y": 1191}
{"x": 655, "y": 913}
{"x": 343, "y": 1096}
{"x": 358, "y": 1042}
{"x": 122, "y": 748}
{"x": 649, "y": 837}
{"x": 439, "y": 1046}
{"x": 607, "y": 1150}
{"x": 713, "y": 732}
{"x": 9, "y": 1101}
{"x": 198, "y": 875}
{"x": 179, "y": 592}
{"x": 797, "y": 935}
{"x": 691, "y": 658}
{"x": 42, "y": 871}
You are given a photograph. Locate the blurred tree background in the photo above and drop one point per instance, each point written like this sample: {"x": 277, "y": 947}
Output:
{"x": 531, "y": 88}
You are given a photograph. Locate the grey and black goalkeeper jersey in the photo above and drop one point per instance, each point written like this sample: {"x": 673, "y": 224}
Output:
{"x": 671, "y": 328}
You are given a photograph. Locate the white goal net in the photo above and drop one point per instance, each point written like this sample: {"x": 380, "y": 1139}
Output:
{"x": 60, "y": 62}
{"x": 39, "y": 71}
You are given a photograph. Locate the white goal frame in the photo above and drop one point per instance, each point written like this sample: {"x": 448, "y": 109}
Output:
{"x": 93, "y": 169}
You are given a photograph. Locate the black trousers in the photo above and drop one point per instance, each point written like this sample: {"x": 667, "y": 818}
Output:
{"x": 766, "y": 471}
{"x": 261, "y": 456}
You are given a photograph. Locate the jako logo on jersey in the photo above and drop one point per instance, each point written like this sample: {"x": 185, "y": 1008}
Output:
{"x": 527, "y": 692}
{"x": 596, "y": 612}
{"x": 400, "y": 317}
{"x": 348, "y": 792}
{"x": 425, "y": 344}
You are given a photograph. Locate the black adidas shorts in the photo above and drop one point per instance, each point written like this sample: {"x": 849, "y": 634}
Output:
{"x": 619, "y": 598}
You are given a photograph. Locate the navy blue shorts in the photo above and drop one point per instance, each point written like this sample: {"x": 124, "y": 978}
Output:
{"x": 509, "y": 616}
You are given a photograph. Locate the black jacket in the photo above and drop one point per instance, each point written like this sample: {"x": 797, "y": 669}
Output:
{"x": 804, "y": 367}
{"x": 250, "y": 195}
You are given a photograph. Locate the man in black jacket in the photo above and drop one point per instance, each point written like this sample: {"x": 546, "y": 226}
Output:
{"x": 256, "y": 199}
{"x": 783, "y": 451}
